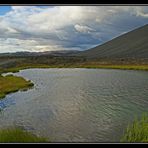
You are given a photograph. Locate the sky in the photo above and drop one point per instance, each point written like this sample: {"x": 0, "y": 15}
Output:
{"x": 48, "y": 28}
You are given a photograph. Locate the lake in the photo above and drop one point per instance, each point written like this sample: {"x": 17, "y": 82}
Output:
{"x": 77, "y": 105}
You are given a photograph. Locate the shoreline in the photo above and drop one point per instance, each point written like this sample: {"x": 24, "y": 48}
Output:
{"x": 121, "y": 67}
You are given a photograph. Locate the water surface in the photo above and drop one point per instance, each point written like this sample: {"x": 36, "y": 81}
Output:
{"x": 77, "y": 105}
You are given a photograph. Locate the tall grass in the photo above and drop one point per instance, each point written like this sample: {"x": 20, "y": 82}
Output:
{"x": 138, "y": 131}
{"x": 16, "y": 135}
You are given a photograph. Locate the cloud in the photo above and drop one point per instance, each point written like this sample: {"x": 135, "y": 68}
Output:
{"x": 83, "y": 29}
{"x": 32, "y": 28}
{"x": 142, "y": 14}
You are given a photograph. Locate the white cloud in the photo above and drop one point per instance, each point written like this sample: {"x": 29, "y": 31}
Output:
{"x": 55, "y": 28}
{"x": 83, "y": 29}
{"x": 139, "y": 13}
{"x": 12, "y": 45}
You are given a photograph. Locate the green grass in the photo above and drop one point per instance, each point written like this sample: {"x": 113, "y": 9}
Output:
{"x": 24, "y": 66}
{"x": 137, "y": 132}
{"x": 124, "y": 67}
{"x": 16, "y": 135}
{"x": 48, "y": 62}
{"x": 10, "y": 83}
{"x": 76, "y": 65}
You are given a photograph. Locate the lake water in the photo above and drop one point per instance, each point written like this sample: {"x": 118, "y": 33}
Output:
{"x": 77, "y": 105}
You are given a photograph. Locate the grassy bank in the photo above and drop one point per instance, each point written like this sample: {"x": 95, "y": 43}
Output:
{"x": 21, "y": 67}
{"x": 16, "y": 135}
{"x": 10, "y": 83}
{"x": 80, "y": 65}
{"x": 137, "y": 132}
{"x": 124, "y": 67}
{"x": 16, "y": 63}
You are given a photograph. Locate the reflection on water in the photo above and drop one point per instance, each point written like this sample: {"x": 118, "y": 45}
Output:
{"x": 77, "y": 105}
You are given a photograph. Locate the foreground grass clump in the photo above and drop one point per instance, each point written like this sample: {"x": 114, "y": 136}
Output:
{"x": 10, "y": 83}
{"x": 17, "y": 135}
{"x": 137, "y": 132}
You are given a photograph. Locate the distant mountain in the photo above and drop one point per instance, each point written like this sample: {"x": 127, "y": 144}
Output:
{"x": 133, "y": 44}
{"x": 52, "y": 53}
{"x": 60, "y": 53}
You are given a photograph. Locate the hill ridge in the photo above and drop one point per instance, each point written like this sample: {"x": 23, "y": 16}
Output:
{"x": 133, "y": 44}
